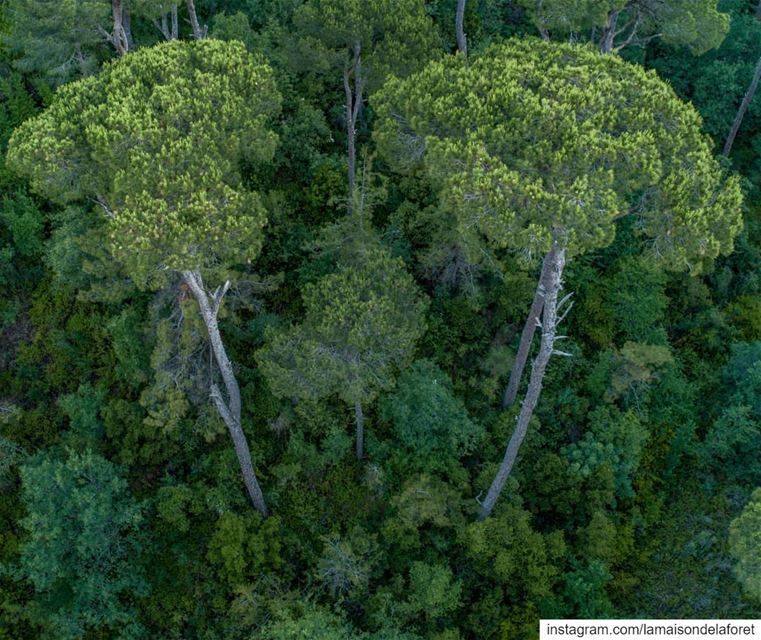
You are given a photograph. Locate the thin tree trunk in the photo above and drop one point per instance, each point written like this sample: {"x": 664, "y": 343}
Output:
{"x": 359, "y": 416}
{"x": 743, "y": 109}
{"x": 527, "y": 337}
{"x": 118, "y": 36}
{"x": 175, "y": 32}
{"x": 758, "y": 10}
{"x": 198, "y": 33}
{"x": 230, "y": 409}
{"x": 609, "y": 33}
{"x": 556, "y": 261}
{"x": 127, "y": 27}
{"x": 459, "y": 22}
{"x": 353, "y": 105}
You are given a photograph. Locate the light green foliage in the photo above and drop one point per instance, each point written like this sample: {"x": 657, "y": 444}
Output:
{"x": 433, "y": 592}
{"x": 393, "y": 35}
{"x": 172, "y": 504}
{"x": 745, "y": 545}
{"x": 360, "y": 325}
{"x": 615, "y": 439}
{"x": 424, "y": 505}
{"x": 429, "y": 421}
{"x": 158, "y": 139}
{"x": 506, "y": 548}
{"x": 634, "y": 366}
{"x": 696, "y": 24}
{"x": 80, "y": 553}
{"x": 537, "y": 140}
{"x": 243, "y": 545}
{"x": 311, "y": 622}
{"x": 56, "y": 38}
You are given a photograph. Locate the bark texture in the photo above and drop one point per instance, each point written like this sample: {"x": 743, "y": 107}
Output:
{"x": 353, "y": 106}
{"x": 527, "y": 336}
{"x": 609, "y": 33}
{"x": 747, "y": 99}
{"x": 198, "y": 33}
{"x": 462, "y": 41}
{"x": 230, "y": 408}
{"x": 119, "y": 37}
{"x": 556, "y": 263}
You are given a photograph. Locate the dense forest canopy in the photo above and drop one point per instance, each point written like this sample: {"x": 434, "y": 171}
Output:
{"x": 377, "y": 319}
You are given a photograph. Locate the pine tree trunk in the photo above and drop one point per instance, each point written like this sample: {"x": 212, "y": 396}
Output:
{"x": 175, "y": 32}
{"x": 609, "y": 33}
{"x": 743, "y": 109}
{"x": 556, "y": 261}
{"x": 527, "y": 337}
{"x": 230, "y": 409}
{"x": 127, "y": 28}
{"x": 353, "y": 105}
{"x": 462, "y": 41}
{"x": 118, "y": 36}
{"x": 198, "y": 33}
{"x": 359, "y": 416}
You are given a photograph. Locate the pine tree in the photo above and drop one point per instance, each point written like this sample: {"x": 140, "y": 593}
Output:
{"x": 540, "y": 148}
{"x": 157, "y": 141}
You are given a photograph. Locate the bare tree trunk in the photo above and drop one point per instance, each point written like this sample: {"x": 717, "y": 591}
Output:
{"x": 459, "y": 22}
{"x": 175, "y": 31}
{"x": 230, "y": 409}
{"x": 609, "y": 33}
{"x": 127, "y": 27}
{"x": 359, "y": 416}
{"x": 556, "y": 261}
{"x": 198, "y": 33}
{"x": 743, "y": 109}
{"x": 527, "y": 337}
{"x": 544, "y": 33}
{"x": 169, "y": 32}
{"x": 119, "y": 36}
{"x": 353, "y": 106}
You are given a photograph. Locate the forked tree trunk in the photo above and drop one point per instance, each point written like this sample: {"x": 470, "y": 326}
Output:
{"x": 459, "y": 23}
{"x": 747, "y": 99}
{"x": 169, "y": 31}
{"x": 359, "y": 416}
{"x": 229, "y": 409}
{"x": 527, "y": 336}
{"x": 556, "y": 263}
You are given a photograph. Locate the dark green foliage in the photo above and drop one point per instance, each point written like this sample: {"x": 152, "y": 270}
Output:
{"x": 430, "y": 423}
{"x": 80, "y": 556}
{"x": 641, "y": 468}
